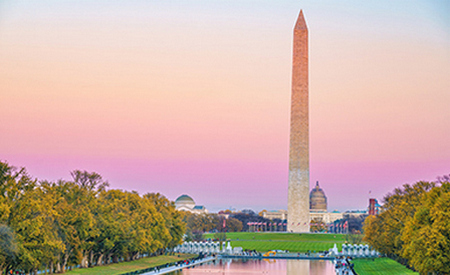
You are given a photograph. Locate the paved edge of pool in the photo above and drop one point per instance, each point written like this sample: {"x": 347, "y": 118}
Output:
{"x": 175, "y": 268}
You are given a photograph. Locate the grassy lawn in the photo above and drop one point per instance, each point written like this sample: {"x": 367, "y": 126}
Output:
{"x": 120, "y": 268}
{"x": 293, "y": 242}
{"x": 380, "y": 266}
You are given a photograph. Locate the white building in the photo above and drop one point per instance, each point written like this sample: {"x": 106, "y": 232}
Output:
{"x": 186, "y": 203}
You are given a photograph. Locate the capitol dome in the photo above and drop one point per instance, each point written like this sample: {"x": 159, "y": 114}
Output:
{"x": 317, "y": 199}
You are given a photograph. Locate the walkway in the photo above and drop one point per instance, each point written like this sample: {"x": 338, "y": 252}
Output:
{"x": 174, "y": 268}
{"x": 342, "y": 266}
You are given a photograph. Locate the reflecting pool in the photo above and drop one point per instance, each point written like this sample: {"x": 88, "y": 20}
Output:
{"x": 264, "y": 266}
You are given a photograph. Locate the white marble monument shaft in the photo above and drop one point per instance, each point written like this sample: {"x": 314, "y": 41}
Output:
{"x": 298, "y": 198}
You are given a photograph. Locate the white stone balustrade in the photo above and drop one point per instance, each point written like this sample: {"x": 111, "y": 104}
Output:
{"x": 357, "y": 250}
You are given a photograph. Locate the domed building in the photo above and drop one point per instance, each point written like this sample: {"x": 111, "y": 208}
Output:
{"x": 317, "y": 209}
{"x": 318, "y": 206}
{"x": 186, "y": 203}
{"x": 317, "y": 200}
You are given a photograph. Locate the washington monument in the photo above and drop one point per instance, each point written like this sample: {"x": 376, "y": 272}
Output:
{"x": 298, "y": 198}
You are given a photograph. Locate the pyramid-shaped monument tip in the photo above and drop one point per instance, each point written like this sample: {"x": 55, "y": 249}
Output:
{"x": 301, "y": 23}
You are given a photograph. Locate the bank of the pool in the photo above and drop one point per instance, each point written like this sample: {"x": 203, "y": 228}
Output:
{"x": 380, "y": 266}
{"x": 124, "y": 267}
{"x": 177, "y": 267}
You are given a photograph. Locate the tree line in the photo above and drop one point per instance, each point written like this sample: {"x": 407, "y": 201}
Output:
{"x": 54, "y": 226}
{"x": 224, "y": 221}
{"x": 414, "y": 226}
{"x": 197, "y": 224}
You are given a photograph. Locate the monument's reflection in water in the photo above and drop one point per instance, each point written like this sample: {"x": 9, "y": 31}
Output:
{"x": 266, "y": 266}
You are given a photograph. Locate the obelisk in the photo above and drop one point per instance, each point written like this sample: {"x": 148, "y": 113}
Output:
{"x": 298, "y": 198}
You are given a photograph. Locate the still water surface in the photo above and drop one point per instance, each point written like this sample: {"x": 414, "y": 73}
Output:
{"x": 266, "y": 266}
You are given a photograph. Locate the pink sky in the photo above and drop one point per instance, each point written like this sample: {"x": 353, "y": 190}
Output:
{"x": 193, "y": 96}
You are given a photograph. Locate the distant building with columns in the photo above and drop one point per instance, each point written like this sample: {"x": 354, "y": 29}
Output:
{"x": 275, "y": 214}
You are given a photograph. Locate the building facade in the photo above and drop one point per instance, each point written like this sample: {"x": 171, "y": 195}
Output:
{"x": 318, "y": 209}
{"x": 317, "y": 199}
{"x": 374, "y": 207}
{"x": 186, "y": 203}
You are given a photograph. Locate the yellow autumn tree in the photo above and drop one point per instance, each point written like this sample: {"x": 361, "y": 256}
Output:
{"x": 413, "y": 227}
{"x": 384, "y": 233}
{"x": 426, "y": 237}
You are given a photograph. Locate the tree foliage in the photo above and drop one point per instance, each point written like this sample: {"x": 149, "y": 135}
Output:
{"x": 220, "y": 236}
{"x": 317, "y": 225}
{"x": 54, "y": 225}
{"x": 210, "y": 222}
{"x": 413, "y": 226}
{"x": 8, "y": 247}
{"x": 355, "y": 223}
{"x": 426, "y": 236}
{"x": 247, "y": 216}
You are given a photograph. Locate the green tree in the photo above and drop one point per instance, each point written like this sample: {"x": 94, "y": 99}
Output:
{"x": 74, "y": 220}
{"x": 53, "y": 225}
{"x": 8, "y": 248}
{"x": 413, "y": 227}
{"x": 231, "y": 224}
{"x": 13, "y": 184}
{"x": 89, "y": 180}
{"x": 220, "y": 236}
{"x": 354, "y": 238}
{"x": 33, "y": 220}
{"x": 149, "y": 227}
{"x": 398, "y": 208}
{"x": 173, "y": 218}
{"x": 426, "y": 237}
{"x": 113, "y": 220}
{"x": 317, "y": 225}
{"x": 373, "y": 229}
{"x": 200, "y": 222}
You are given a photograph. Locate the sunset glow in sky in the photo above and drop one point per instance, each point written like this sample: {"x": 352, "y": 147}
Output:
{"x": 193, "y": 96}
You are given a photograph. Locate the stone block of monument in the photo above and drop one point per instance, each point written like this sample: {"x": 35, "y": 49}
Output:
{"x": 298, "y": 193}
